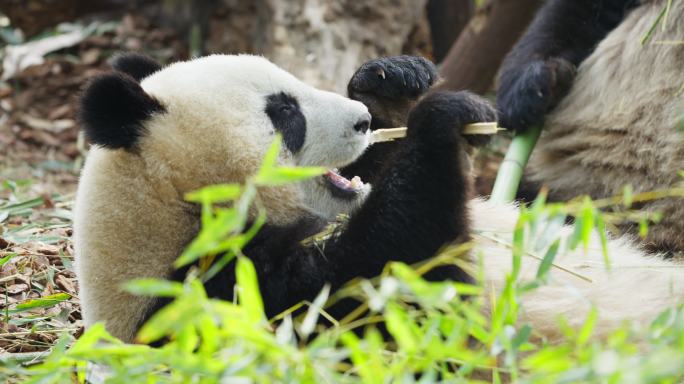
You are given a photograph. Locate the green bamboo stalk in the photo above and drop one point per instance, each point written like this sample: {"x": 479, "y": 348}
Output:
{"x": 511, "y": 169}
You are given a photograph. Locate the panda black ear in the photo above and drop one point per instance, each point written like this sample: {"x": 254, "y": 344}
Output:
{"x": 113, "y": 109}
{"x": 135, "y": 65}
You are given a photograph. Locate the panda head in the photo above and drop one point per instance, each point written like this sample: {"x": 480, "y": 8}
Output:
{"x": 210, "y": 120}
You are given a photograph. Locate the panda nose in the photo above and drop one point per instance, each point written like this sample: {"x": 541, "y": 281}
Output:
{"x": 362, "y": 125}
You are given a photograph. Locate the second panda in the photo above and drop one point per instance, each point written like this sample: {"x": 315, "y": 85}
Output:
{"x": 605, "y": 78}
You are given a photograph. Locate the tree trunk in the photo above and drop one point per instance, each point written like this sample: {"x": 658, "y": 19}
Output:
{"x": 33, "y": 16}
{"x": 473, "y": 61}
{"x": 322, "y": 42}
{"x": 447, "y": 20}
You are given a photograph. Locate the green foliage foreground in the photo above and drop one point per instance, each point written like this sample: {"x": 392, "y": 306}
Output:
{"x": 439, "y": 331}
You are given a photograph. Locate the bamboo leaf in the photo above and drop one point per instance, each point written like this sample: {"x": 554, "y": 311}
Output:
{"x": 154, "y": 287}
{"x": 398, "y": 324}
{"x": 43, "y": 302}
{"x": 548, "y": 259}
{"x": 248, "y": 293}
{"x": 6, "y": 258}
{"x": 588, "y": 328}
{"x": 271, "y": 157}
{"x": 309, "y": 323}
{"x": 285, "y": 175}
{"x": 215, "y": 194}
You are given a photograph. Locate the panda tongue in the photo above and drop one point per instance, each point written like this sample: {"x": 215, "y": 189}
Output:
{"x": 339, "y": 181}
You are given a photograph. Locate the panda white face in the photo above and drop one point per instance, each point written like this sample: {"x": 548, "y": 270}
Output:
{"x": 323, "y": 129}
{"x": 212, "y": 119}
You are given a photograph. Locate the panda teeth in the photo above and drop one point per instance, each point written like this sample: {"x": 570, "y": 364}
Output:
{"x": 356, "y": 183}
{"x": 341, "y": 182}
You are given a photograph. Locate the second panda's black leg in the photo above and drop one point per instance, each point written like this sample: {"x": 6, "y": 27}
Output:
{"x": 540, "y": 69}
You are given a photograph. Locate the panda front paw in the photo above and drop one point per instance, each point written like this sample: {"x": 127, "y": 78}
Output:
{"x": 441, "y": 116}
{"x": 526, "y": 95}
{"x": 398, "y": 77}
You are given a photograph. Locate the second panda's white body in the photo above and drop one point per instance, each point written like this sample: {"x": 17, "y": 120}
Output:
{"x": 634, "y": 288}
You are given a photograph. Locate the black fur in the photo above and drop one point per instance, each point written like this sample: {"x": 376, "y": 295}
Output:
{"x": 405, "y": 79}
{"x": 395, "y": 77}
{"x": 135, "y": 65}
{"x": 540, "y": 69}
{"x": 287, "y": 117}
{"x": 389, "y": 101}
{"x": 371, "y": 163}
{"x": 113, "y": 108}
{"x": 417, "y": 207}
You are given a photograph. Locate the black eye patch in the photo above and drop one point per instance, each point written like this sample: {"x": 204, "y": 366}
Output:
{"x": 287, "y": 118}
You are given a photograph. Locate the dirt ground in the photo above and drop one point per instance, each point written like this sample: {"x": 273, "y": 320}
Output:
{"x": 40, "y": 157}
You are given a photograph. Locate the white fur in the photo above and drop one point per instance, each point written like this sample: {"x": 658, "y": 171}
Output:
{"x": 636, "y": 287}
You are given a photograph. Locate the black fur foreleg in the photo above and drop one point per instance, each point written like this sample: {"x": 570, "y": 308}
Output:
{"x": 540, "y": 69}
{"x": 419, "y": 203}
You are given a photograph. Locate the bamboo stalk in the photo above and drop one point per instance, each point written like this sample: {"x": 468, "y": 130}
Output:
{"x": 390, "y": 134}
{"x": 511, "y": 169}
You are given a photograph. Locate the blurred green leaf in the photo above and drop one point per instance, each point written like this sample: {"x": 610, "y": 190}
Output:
{"x": 23, "y": 207}
{"x": 398, "y": 324}
{"x": 603, "y": 238}
{"x": 271, "y": 175}
{"x": 219, "y": 193}
{"x": 521, "y": 336}
{"x": 587, "y": 222}
{"x": 286, "y": 175}
{"x": 643, "y": 228}
{"x": 248, "y": 293}
{"x": 154, "y": 287}
{"x": 169, "y": 320}
{"x": 315, "y": 308}
{"x": 271, "y": 157}
{"x": 627, "y": 196}
{"x": 43, "y": 302}
{"x": 587, "y": 328}
{"x": 6, "y": 258}
{"x": 212, "y": 237}
{"x": 548, "y": 259}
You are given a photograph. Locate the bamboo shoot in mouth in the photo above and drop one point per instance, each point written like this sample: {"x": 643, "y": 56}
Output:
{"x": 390, "y": 134}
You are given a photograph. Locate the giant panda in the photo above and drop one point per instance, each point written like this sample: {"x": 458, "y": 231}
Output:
{"x": 611, "y": 105}
{"x": 158, "y": 133}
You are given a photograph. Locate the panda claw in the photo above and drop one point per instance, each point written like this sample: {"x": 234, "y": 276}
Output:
{"x": 381, "y": 73}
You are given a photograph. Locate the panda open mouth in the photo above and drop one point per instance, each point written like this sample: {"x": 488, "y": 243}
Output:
{"x": 340, "y": 184}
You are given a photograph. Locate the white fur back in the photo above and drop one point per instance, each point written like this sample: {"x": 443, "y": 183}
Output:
{"x": 636, "y": 288}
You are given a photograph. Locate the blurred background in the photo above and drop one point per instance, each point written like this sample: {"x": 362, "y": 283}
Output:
{"x": 49, "y": 48}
